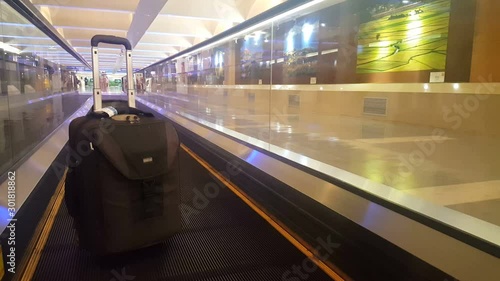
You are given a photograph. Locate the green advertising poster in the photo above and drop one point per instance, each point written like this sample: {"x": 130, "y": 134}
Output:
{"x": 403, "y": 35}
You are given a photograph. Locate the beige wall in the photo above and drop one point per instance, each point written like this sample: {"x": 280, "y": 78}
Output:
{"x": 468, "y": 114}
{"x": 485, "y": 57}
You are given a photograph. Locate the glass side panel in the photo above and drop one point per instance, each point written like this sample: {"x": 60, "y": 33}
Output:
{"x": 398, "y": 98}
{"x": 39, "y": 86}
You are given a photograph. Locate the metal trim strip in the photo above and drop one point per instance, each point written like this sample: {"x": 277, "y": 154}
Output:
{"x": 485, "y": 88}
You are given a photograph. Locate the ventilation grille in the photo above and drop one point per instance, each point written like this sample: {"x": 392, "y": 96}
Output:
{"x": 375, "y": 106}
{"x": 294, "y": 100}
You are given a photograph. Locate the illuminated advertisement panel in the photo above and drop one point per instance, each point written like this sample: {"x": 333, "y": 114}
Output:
{"x": 397, "y": 36}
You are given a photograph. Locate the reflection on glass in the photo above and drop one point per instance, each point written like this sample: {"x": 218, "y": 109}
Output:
{"x": 397, "y": 92}
{"x": 38, "y": 87}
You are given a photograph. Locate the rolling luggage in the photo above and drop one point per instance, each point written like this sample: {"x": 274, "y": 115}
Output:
{"x": 122, "y": 185}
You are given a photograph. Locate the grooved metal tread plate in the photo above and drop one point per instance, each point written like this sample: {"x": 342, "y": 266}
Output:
{"x": 222, "y": 241}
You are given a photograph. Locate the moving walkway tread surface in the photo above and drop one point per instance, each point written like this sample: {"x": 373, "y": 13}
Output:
{"x": 222, "y": 239}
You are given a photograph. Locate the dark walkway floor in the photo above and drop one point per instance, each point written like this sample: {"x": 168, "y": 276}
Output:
{"x": 224, "y": 241}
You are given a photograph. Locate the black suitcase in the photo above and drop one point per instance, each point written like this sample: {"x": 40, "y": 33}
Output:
{"x": 122, "y": 185}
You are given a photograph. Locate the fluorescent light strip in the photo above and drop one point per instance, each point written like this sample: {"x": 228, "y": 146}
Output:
{"x": 79, "y": 40}
{"x": 108, "y": 61}
{"x": 330, "y": 51}
{"x": 150, "y": 58}
{"x": 200, "y": 18}
{"x": 35, "y": 45}
{"x": 164, "y": 44}
{"x": 136, "y": 50}
{"x": 103, "y": 48}
{"x": 312, "y": 54}
{"x": 26, "y": 37}
{"x": 66, "y": 62}
{"x": 142, "y": 56}
{"x": 176, "y": 34}
{"x": 54, "y": 56}
{"x": 60, "y": 58}
{"x": 9, "y": 48}
{"x": 149, "y": 51}
{"x": 85, "y": 9}
{"x": 135, "y": 57}
{"x": 17, "y": 24}
{"x": 146, "y": 56}
{"x": 104, "y": 57}
{"x": 90, "y": 28}
{"x": 260, "y": 25}
{"x": 46, "y": 53}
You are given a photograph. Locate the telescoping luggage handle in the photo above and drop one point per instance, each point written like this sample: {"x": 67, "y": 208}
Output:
{"x": 95, "y": 65}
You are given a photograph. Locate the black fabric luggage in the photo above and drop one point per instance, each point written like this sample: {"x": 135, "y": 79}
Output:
{"x": 122, "y": 185}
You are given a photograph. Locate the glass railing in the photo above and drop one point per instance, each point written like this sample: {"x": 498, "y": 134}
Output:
{"x": 39, "y": 86}
{"x": 397, "y": 98}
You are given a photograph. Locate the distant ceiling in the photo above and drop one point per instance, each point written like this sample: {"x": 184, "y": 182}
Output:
{"x": 157, "y": 28}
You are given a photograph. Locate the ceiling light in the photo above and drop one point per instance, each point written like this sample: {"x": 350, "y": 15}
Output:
{"x": 90, "y": 28}
{"x": 203, "y": 18}
{"x": 164, "y": 44}
{"x": 28, "y": 37}
{"x": 9, "y": 48}
{"x": 178, "y": 34}
{"x": 259, "y": 25}
{"x": 84, "y": 9}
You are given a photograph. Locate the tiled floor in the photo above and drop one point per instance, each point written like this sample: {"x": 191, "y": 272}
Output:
{"x": 457, "y": 171}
